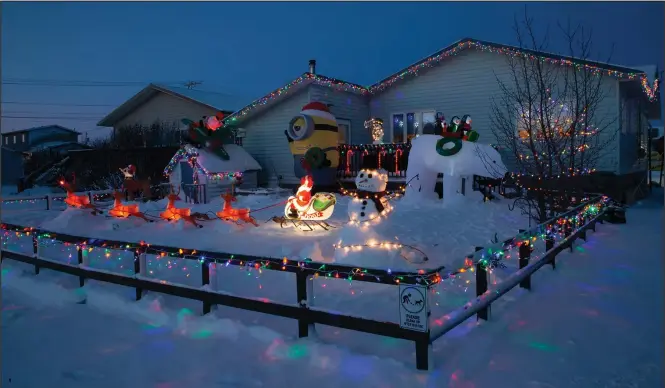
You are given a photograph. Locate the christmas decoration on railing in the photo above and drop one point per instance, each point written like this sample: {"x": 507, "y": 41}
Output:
{"x": 312, "y": 139}
{"x": 79, "y": 201}
{"x": 305, "y": 210}
{"x": 650, "y": 91}
{"x": 238, "y": 216}
{"x": 572, "y": 172}
{"x": 316, "y": 269}
{"x": 375, "y": 125}
{"x": 121, "y": 210}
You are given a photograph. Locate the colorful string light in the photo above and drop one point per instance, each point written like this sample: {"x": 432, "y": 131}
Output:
{"x": 190, "y": 154}
{"x": 651, "y": 91}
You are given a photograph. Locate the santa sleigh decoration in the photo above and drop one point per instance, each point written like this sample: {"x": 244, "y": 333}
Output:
{"x": 305, "y": 210}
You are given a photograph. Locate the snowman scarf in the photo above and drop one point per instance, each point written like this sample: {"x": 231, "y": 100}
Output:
{"x": 374, "y": 196}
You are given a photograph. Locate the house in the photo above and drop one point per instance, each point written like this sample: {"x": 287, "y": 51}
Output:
{"x": 191, "y": 165}
{"x": 41, "y": 138}
{"x": 12, "y": 166}
{"x": 167, "y": 104}
{"x": 459, "y": 79}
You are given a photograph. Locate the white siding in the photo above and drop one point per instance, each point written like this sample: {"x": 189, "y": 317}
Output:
{"x": 165, "y": 108}
{"x": 347, "y": 106}
{"x": 465, "y": 84}
{"x": 265, "y": 139}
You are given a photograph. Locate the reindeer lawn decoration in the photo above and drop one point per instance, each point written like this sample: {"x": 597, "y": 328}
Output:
{"x": 133, "y": 185}
{"x": 238, "y": 216}
{"x": 79, "y": 201}
{"x": 121, "y": 210}
{"x": 172, "y": 213}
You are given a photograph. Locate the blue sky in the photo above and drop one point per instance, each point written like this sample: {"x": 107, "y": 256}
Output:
{"x": 248, "y": 49}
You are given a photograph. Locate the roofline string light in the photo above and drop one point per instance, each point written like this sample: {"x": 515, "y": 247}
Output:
{"x": 652, "y": 91}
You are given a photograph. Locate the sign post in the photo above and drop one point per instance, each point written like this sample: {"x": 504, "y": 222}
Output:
{"x": 413, "y": 309}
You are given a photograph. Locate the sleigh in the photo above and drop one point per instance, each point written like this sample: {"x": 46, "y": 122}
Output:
{"x": 319, "y": 209}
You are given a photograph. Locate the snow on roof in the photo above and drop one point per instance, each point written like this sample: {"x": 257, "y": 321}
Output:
{"x": 50, "y": 144}
{"x": 239, "y": 160}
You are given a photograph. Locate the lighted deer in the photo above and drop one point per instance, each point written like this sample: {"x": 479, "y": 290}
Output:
{"x": 228, "y": 213}
{"x": 80, "y": 201}
{"x": 121, "y": 210}
{"x": 172, "y": 213}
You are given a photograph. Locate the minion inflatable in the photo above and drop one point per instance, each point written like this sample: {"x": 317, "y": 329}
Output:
{"x": 312, "y": 137}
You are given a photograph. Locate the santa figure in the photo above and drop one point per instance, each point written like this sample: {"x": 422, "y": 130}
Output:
{"x": 300, "y": 201}
{"x": 129, "y": 172}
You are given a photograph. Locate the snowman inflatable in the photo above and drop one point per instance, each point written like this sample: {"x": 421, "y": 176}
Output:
{"x": 370, "y": 202}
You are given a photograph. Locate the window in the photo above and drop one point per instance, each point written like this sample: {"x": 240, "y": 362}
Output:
{"x": 343, "y": 131}
{"x": 406, "y": 125}
{"x": 23, "y": 138}
{"x": 14, "y": 139}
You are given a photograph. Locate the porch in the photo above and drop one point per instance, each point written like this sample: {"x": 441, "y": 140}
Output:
{"x": 392, "y": 157}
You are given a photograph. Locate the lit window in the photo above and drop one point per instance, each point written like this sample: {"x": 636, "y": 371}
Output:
{"x": 14, "y": 139}
{"x": 407, "y": 125}
{"x": 23, "y": 138}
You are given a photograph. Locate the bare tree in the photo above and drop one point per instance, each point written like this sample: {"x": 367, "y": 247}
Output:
{"x": 548, "y": 118}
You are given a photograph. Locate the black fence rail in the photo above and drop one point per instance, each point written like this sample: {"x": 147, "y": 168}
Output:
{"x": 391, "y": 157}
{"x": 559, "y": 233}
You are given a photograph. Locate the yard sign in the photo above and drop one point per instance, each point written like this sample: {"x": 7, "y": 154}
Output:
{"x": 413, "y": 307}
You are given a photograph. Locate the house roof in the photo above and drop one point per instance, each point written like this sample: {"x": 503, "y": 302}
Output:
{"x": 621, "y": 72}
{"x": 56, "y": 144}
{"x": 214, "y": 100}
{"x": 288, "y": 89}
{"x": 43, "y": 127}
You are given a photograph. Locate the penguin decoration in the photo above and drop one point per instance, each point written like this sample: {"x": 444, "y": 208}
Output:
{"x": 465, "y": 130}
{"x": 455, "y": 123}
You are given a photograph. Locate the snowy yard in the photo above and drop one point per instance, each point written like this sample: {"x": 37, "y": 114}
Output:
{"x": 558, "y": 335}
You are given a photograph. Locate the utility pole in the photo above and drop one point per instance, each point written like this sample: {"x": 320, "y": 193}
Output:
{"x": 191, "y": 84}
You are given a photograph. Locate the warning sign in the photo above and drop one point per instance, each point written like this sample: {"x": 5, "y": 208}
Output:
{"x": 413, "y": 307}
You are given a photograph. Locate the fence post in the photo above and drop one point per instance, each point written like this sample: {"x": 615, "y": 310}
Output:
{"x": 140, "y": 268}
{"x": 567, "y": 231}
{"x": 301, "y": 293}
{"x": 35, "y": 249}
{"x": 581, "y": 223}
{"x": 79, "y": 254}
{"x": 205, "y": 280}
{"x": 48, "y": 202}
{"x": 549, "y": 244}
{"x": 481, "y": 286}
{"x": 422, "y": 352}
{"x": 524, "y": 256}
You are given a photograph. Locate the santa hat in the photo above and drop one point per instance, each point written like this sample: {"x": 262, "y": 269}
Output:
{"x": 131, "y": 168}
{"x": 317, "y": 109}
{"x": 306, "y": 183}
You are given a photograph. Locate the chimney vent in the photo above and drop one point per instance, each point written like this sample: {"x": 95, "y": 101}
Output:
{"x": 312, "y": 66}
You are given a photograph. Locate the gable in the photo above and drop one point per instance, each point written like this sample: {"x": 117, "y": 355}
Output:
{"x": 166, "y": 108}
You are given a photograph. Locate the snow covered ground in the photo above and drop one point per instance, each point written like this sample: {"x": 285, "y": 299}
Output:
{"x": 595, "y": 321}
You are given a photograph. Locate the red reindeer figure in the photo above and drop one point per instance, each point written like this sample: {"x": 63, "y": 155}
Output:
{"x": 228, "y": 213}
{"x": 172, "y": 213}
{"x": 79, "y": 201}
{"x": 121, "y": 210}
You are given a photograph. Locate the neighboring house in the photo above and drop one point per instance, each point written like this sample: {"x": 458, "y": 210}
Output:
{"x": 167, "y": 104}
{"x": 12, "y": 166}
{"x": 458, "y": 80}
{"x": 40, "y": 138}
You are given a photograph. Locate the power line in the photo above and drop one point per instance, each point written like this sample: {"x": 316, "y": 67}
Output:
{"x": 53, "y": 118}
{"x": 31, "y": 112}
{"x": 54, "y": 104}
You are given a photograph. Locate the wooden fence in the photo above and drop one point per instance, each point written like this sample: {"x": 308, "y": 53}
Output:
{"x": 303, "y": 309}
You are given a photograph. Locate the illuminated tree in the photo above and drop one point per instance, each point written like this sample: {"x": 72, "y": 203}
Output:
{"x": 548, "y": 118}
